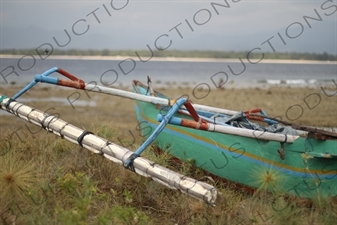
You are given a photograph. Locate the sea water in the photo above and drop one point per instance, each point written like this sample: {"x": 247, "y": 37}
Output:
{"x": 172, "y": 72}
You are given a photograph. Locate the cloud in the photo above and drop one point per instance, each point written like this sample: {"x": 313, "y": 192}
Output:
{"x": 202, "y": 24}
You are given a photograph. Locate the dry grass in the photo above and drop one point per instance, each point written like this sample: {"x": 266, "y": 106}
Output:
{"x": 57, "y": 182}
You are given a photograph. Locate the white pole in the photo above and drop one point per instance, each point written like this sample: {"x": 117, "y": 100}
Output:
{"x": 113, "y": 152}
{"x": 261, "y": 135}
{"x": 151, "y": 99}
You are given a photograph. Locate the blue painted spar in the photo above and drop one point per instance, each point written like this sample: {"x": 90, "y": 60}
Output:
{"x": 174, "y": 120}
{"x": 45, "y": 79}
{"x": 37, "y": 78}
{"x": 156, "y": 132}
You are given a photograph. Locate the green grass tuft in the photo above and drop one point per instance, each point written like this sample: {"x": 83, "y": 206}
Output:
{"x": 47, "y": 180}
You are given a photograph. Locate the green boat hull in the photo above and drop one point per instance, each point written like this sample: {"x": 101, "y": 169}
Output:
{"x": 305, "y": 170}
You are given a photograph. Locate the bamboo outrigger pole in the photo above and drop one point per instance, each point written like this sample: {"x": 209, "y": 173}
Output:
{"x": 111, "y": 151}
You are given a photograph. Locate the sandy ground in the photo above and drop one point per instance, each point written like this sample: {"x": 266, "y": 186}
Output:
{"x": 307, "y": 106}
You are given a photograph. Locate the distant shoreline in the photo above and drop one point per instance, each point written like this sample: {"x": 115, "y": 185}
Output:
{"x": 171, "y": 59}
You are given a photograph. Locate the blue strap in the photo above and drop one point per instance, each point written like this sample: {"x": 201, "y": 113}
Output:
{"x": 128, "y": 162}
{"x": 269, "y": 121}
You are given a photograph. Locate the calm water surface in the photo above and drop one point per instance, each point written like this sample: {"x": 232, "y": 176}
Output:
{"x": 176, "y": 73}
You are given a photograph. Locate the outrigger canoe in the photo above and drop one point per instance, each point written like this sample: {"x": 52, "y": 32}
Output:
{"x": 230, "y": 145}
{"x": 291, "y": 159}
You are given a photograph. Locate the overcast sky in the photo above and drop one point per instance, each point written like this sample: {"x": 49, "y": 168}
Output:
{"x": 185, "y": 25}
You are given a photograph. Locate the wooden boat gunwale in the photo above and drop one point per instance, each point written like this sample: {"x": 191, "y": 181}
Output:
{"x": 293, "y": 155}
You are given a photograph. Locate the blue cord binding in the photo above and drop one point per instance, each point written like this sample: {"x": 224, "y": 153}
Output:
{"x": 128, "y": 163}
